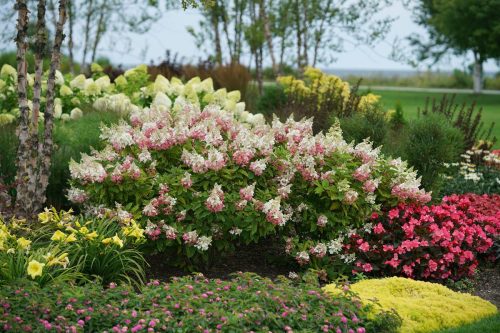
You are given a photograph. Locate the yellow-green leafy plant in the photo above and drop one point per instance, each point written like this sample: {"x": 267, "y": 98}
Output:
{"x": 323, "y": 97}
{"x": 423, "y": 306}
{"x": 20, "y": 258}
{"x": 106, "y": 248}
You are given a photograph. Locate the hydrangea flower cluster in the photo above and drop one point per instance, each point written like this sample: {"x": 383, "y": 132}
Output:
{"x": 179, "y": 169}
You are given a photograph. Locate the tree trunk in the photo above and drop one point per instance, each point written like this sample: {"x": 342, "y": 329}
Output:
{"x": 478, "y": 74}
{"x": 99, "y": 31}
{"x": 23, "y": 200}
{"x": 225, "y": 27}
{"x": 70, "y": 38}
{"x": 238, "y": 30}
{"x": 299, "y": 33}
{"x": 305, "y": 36}
{"x": 45, "y": 151}
{"x": 40, "y": 45}
{"x": 33, "y": 159}
{"x": 90, "y": 13}
{"x": 318, "y": 34}
{"x": 214, "y": 12}
{"x": 268, "y": 35}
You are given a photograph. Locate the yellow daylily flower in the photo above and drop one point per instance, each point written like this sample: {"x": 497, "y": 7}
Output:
{"x": 91, "y": 236}
{"x": 35, "y": 269}
{"x": 106, "y": 241}
{"x": 70, "y": 238}
{"x": 117, "y": 241}
{"x": 58, "y": 236}
{"x": 84, "y": 230}
{"x": 23, "y": 243}
{"x": 45, "y": 216}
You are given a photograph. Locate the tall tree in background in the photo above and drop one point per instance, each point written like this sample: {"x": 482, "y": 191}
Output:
{"x": 94, "y": 20}
{"x": 33, "y": 156}
{"x": 312, "y": 30}
{"x": 461, "y": 27}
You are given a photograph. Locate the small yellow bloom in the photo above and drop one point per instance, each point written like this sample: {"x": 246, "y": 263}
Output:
{"x": 117, "y": 241}
{"x": 70, "y": 238}
{"x": 58, "y": 236}
{"x": 45, "y": 216}
{"x": 91, "y": 236}
{"x": 106, "y": 241}
{"x": 35, "y": 268}
{"x": 23, "y": 243}
{"x": 84, "y": 230}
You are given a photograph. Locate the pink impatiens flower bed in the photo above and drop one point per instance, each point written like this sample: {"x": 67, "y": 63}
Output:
{"x": 429, "y": 242}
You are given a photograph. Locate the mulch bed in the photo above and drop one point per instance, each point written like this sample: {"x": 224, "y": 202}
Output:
{"x": 487, "y": 284}
{"x": 266, "y": 259}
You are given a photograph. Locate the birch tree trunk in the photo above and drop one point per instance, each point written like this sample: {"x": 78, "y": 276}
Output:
{"x": 23, "y": 174}
{"x": 100, "y": 30}
{"x": 33, "y": 159}
{"x": 45, "y": 151}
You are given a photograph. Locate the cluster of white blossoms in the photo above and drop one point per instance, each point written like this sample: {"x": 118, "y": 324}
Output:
{"x": 471, "y": 159}
{"x": 220, "y": 166}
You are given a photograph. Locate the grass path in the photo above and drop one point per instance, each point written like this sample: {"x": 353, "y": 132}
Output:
{"x": 487, "y": 325}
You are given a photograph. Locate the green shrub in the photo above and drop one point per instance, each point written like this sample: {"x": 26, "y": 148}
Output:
{"x": 397, "y": 120}
{"x": 9, "y": 58}
{"x": 370, "y": 124}
{"x": 273, "y": 97}
{"x": 424, "y": 307}
{"x": 190, "y": 304}
{"x": 428, "y": 143}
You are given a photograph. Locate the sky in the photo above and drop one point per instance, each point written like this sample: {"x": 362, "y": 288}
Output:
{"x": 170, "y": 32}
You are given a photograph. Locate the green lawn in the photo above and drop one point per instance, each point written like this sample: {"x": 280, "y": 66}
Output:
{"x": 412, "y": 100}
{"x": 487, "y": 325}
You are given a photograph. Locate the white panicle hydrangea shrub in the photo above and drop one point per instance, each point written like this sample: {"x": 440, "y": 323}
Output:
{"x": 201, "y": 174}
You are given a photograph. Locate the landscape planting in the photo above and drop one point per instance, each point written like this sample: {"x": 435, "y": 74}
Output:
{"x": 222, "y": 197}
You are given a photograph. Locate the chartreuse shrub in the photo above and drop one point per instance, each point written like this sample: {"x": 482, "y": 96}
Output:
{"x": 189, "y": 304}
{"x": 423, "y": 306}
{"x": 321, "y": 96}
{"x": 201, "y": 180}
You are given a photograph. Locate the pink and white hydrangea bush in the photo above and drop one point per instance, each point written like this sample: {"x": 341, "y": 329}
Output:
{"x": 185, "y": 170}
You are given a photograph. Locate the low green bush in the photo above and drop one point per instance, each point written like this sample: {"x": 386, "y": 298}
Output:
{"x": 429, "y": 142}
{"x": 248, "y": 303}
{"x": 370, "y": 124}
{"x": 273, "y": 97}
